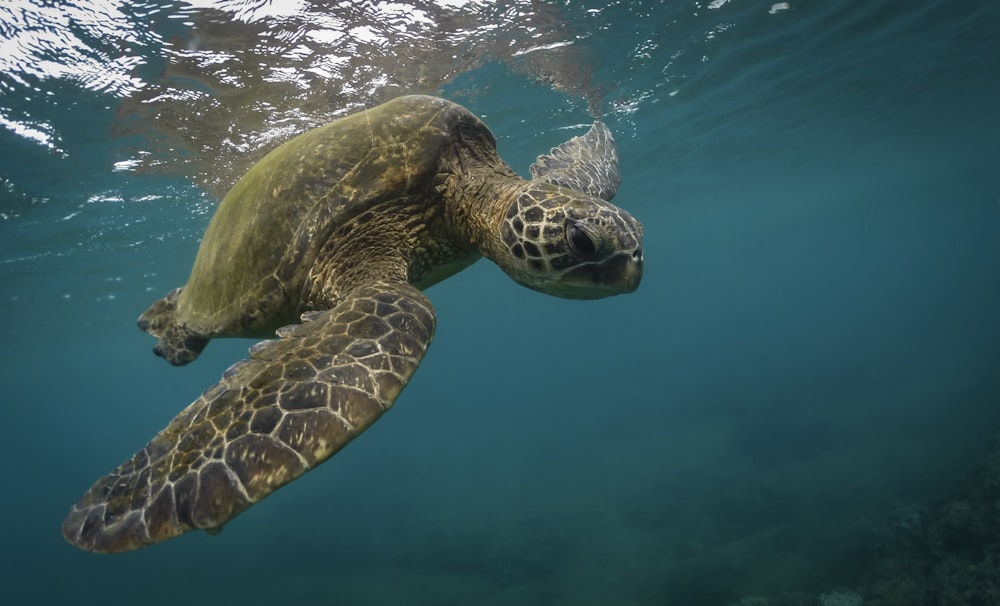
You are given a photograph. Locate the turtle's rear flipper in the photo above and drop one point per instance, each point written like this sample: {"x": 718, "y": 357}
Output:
{"x": 176, "y": 344}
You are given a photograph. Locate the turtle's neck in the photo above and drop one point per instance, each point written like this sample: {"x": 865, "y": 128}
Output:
{"x": 477, "y": 193}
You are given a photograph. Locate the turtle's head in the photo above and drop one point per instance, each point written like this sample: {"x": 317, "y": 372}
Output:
{"x": 569, "y": 244}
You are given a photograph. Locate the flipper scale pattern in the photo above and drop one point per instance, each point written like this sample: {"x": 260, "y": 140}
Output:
{"x": 293, "y": 404}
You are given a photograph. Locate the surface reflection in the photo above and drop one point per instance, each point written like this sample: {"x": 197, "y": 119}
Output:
{"x": 205, "y": 87}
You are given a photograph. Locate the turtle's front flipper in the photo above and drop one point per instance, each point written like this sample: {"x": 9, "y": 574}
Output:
{"x": 293, "y": 404}
{"x": 588, "y": 164}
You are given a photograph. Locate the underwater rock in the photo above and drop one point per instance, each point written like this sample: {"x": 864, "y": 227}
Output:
{"x": 944, "y": 554}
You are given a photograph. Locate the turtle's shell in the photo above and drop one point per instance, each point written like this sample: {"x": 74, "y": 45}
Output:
{"x": 260, "y": 246}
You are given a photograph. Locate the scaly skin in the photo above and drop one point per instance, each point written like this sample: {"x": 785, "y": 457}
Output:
{"x": 292, "y": 405}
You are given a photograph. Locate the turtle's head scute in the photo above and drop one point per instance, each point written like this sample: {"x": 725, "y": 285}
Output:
{"x": 570, "y": 244}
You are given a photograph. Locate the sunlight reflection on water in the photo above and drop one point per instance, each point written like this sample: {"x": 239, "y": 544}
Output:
{"x": 210, "y": 80}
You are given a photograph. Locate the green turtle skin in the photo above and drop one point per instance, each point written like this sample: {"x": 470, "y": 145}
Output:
{"x": 328, "y": 242}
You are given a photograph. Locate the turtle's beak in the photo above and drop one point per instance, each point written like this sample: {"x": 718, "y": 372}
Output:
{"x": 619, "y": 274}
{"x": 631, "y": 271}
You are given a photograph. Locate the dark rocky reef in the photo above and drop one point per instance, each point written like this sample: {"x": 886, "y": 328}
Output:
{"x": 944, "y": 553}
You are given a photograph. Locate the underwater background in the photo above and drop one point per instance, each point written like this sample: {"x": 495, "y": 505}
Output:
{"x": 799, "y": 406}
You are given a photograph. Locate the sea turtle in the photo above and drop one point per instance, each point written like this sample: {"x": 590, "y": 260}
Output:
{"x": 329, "y": 240}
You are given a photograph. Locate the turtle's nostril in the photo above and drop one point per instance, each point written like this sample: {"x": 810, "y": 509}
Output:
{"x": 637, "y": 254}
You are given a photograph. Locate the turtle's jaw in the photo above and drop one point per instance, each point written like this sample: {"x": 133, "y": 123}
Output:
{"x": 618, "y": 274}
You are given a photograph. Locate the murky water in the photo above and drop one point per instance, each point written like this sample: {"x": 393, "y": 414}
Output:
{"x": 788, "y": 407}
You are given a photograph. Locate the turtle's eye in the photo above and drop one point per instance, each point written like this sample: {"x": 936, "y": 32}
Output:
{"x": 580, "y": 240}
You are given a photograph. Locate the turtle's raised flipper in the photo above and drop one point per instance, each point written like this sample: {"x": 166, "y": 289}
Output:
{"x": 588, "y": 164}
{"x": 176, "y": 343}
{"x": 293, "y": 404}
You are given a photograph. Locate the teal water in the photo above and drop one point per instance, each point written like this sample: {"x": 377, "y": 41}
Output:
{"x": 800, "y": 404}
